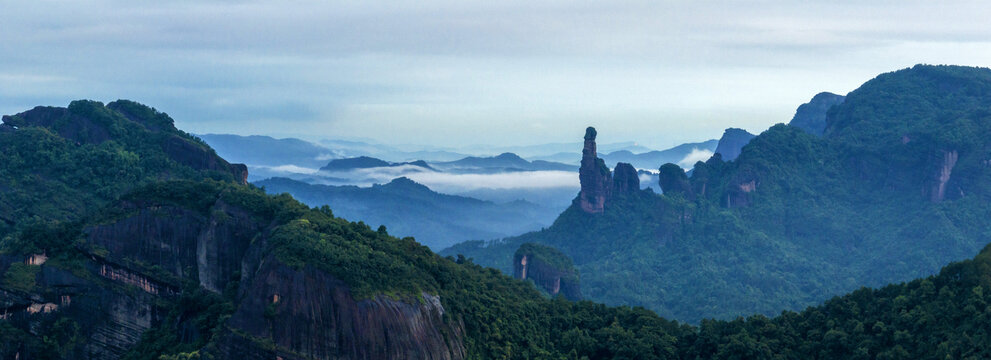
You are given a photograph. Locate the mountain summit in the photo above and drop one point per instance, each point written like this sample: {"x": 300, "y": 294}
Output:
{"x": 892, "y": 190}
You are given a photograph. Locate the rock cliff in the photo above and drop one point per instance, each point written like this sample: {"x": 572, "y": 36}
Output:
{"x": 673, "y": 180}
{"x": 595, "y": 178}
{"x": 548, "y": 268}
{"x": 625, "y": 179}
{"x": 306, "y": 313}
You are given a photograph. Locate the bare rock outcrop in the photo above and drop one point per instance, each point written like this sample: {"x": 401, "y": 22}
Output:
{"x": 549, "y": 269}
{"x": 625, "y": 179}
{"x": 595, "y": 177}
{"x": 946, "y": 161}
{"x": 306, "y": 313}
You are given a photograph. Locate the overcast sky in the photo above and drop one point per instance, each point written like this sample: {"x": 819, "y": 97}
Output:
{"x": 455, "y": 73}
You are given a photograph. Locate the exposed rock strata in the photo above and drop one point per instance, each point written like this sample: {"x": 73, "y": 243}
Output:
{"x": 310, "y": 314}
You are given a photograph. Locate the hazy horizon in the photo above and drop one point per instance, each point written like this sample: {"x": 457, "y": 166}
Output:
{"x": 453, "y": 74}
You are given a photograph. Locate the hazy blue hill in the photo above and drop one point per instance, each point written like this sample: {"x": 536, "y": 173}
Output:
{"x": 656, "y": 158}
{"x": 361, "y": 162}
{"x": 256, "y": 150}
{"x": 367, "y": 162}
{"x": 732, "y": 142}
{"x": 897, "y": 187}
{"x": 811, "y": 116}
{"x": 410, "y": 209}
{"x": 501, "y": 163}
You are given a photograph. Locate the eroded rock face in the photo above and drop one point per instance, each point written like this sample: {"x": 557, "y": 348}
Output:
{"x": 110, "y": 321}
{"x": 307, "y": 313}
{"x": 531, "y": 263}
{"x": 183, "y": 242}
{"x": 65, "y": 123}
{"x": 625, "y": 179}
{"x": 942, "y": 175}
{"x": 595, "y": 178}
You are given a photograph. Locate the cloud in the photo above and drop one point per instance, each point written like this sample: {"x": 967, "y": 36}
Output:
{"x": 441, "y": 72}
{"x": 288, "y": 169}
{"x": 693, "y": 157}
{"x": 457, "y": 183}
{"x": 453, "y": 183}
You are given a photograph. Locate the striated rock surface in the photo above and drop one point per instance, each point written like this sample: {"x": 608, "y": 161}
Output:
{"x": 307, "y": 313}
{"x": 732, "y": 142}
{"x": 549, "y": 269}
{"x": 625, "y": 179}
{"x": 183, "y": 242}
{"x": 596, "y": 180}
{"x": 811, "y": 116}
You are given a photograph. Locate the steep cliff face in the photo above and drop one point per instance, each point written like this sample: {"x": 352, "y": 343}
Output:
{"x": 811, "y": 116}
{"x": 673, "y": 180}
{"x": 307, "y": 313}
{"x": 941, "y": 176}
{"x": 732, "y": 142}
{"x": 595, "y": 178}
{"x": 183, "y": 242}
{"x": 625, "y": 179}
{"x": 548, "y": 268}
{"x": 98, "y": 311}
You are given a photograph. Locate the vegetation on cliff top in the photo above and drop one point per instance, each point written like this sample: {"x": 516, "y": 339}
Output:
{"x": 894, "y": 190}
{"x": 936, "y": 317}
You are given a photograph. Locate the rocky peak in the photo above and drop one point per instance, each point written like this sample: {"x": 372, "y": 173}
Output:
{"x": 673, "y": 180}
{"x": 732, "y": 143}
{"x": 625, "y": 179}
{"x": 596, "y": 180}
{"x": 811, "y": 116}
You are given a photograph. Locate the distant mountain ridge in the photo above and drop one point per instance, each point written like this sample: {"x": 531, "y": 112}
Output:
{"x": 262, "y": 150}
{"x": 654, "y": 159}
{"x": 500, "y": 163}
{"x": 367, "y": 162}
{"x": 732, "y": 142}
{"x": 411, "y": 209}
{"x": 895, "y": 187}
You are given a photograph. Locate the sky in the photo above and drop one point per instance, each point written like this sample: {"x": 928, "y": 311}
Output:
{"x": 462, "y": 73}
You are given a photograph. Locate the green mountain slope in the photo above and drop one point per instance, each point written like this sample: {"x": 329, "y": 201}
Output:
{"x": 897, "y": 187}
{"x": 189, "y": 262}
{"x": 60, "y": 163}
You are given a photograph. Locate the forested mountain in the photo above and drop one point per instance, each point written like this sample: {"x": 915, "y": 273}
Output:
{"x": 897, "y": 187}
{"x": 160, "y": 251}
{"x": 410, "y": 209}
{"x": 811, "y": 116}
